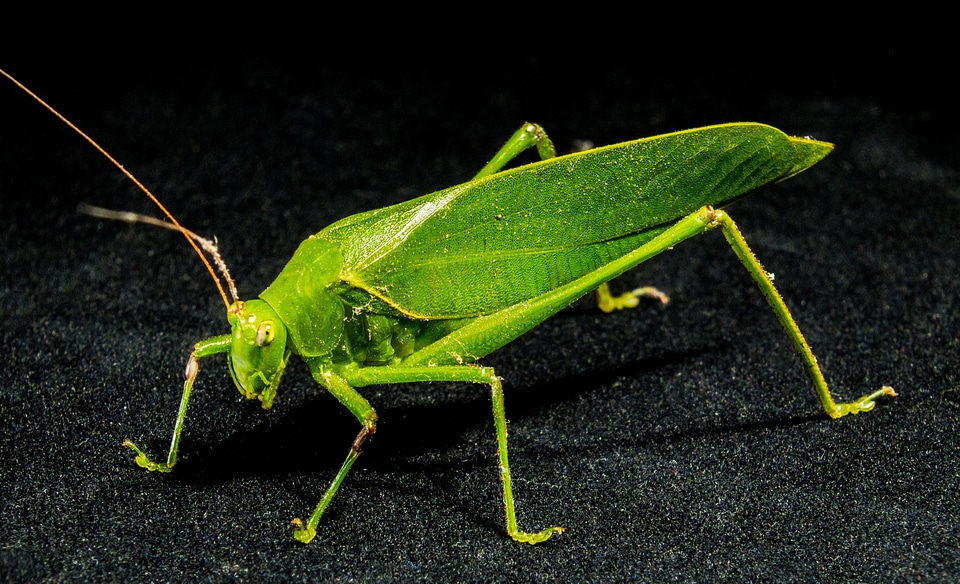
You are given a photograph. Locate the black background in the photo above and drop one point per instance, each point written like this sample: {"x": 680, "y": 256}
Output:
{"x": 675, "y": 443}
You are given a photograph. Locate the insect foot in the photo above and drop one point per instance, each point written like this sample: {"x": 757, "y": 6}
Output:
{"x": 533, "y": 538}
{"x": 145, "y": 462}
{"x": 864, "y": 404}
{"x": 608, "y": 303}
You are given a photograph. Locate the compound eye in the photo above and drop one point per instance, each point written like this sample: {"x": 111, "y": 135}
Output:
{"x": 264, "y": 333}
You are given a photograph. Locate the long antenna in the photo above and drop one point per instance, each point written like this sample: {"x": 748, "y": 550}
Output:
{"x": 128, "y": 217}
{"x": 156, "y": 201}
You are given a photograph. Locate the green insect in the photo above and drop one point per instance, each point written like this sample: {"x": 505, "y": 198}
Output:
{"x": 422, "y": 290}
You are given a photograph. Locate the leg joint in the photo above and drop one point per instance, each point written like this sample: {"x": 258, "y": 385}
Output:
{"x": 369, "y": 428}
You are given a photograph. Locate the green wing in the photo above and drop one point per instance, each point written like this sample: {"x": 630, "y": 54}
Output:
{"x": 478, "y": 247}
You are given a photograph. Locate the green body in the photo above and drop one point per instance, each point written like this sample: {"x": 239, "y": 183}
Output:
{"x": 421, "y": 290}
{"x": 403, "y": 275}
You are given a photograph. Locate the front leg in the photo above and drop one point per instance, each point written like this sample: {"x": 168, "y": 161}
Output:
{"x": 204, "y": 348}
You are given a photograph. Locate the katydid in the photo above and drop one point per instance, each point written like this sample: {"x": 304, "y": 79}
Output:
{"x": 422, "y": 290}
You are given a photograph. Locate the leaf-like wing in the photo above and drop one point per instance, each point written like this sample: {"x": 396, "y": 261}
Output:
{"x": 490, "y": 243}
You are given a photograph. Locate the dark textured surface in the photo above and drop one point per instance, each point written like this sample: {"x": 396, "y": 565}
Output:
{"x": 675, "y": 443}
